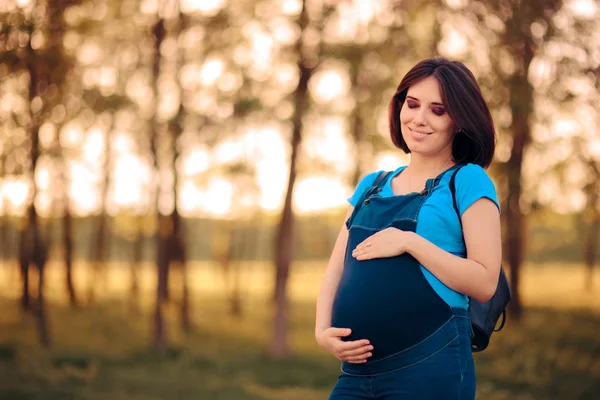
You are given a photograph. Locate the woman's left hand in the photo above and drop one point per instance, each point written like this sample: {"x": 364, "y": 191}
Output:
{"x": 389, "y": 242}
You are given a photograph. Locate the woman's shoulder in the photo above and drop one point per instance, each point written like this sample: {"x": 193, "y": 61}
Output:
{"x": 472, "y": 173}
{"x": 474, "y": 179}
{"x": 367, "y": 181}
{"x": 369, "y": 178}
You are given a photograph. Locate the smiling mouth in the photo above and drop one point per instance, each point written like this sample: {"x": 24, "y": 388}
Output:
{"x": 420, "y": 133}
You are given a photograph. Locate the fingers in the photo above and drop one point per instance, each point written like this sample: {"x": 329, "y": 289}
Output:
{"x": 356, "y": 351}
{"x": 358, "y": 355}
{"x": 357, "y": 360}
{"x": 351, "y": 347}
{"x": 361, "y": 351}
{"x": 339, "y": 332}
{"x": 364, "y": 250}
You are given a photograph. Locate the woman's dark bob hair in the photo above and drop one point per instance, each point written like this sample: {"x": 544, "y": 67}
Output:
{"x": 475, "y": 140}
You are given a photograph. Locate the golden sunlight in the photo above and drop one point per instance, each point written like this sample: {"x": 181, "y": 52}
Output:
{"x": 456, "y": 4}
{"x": 15, "y": 191}
{"x": 93, "y": 147}
{"x": 132, "y": 179}
{"x": 453, "y": 43}
{"x": 83, "y": 188}
{"x": 210, "y": 71}
{"x": 329, "y": 84}
{"x": 319, "y": 193}
{"x": 23, "y": 3}
{"x": 71, "y": 135}
{"x": 216, "y": 199}
{"x": 262, "y": 51}
{"x": 564, "y": 127}
{"x": 195, "y": 161}
{"x": 271, "y": 166}
{"x": 291, "y": 7}
{"x": 583, "y": 8}
{"x": 206, "y": 7}
{"x": 389, "y": 161}
{"x": 327, "y": 141}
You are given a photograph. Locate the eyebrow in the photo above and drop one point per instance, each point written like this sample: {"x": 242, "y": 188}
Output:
{"x": 434, "y": 103}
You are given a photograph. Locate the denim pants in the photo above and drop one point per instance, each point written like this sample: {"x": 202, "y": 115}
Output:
{"x": 439, "y": 368}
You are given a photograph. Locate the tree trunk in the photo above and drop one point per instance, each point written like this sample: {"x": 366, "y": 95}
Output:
{"x": 160, "y": 331}
{"x": 179, "y": 243}
{"x": 186, "y": 321}
{"x": 590, "y": 252}
{"x": 4, "y": 220}
{"x": 40, "y": 255}
{"x": 135, "y": 263}
{"x": 235, "y": 255}
{"x": 521, "y": 103}
{"x": 38, "y": 78}
{"x": 357, "y": 129}
{"x": 163, "y": 230}
{"x": 178, "y": 254}
{"x": 24, "y": 258}
{"x": 68, "y": 253}
{"x": 283, "y": 251}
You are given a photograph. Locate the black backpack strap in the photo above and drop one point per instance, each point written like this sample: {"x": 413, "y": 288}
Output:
{"x": 453, "y": 191}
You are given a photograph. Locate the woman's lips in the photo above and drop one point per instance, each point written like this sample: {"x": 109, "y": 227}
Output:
{"x": 419, "y": 135}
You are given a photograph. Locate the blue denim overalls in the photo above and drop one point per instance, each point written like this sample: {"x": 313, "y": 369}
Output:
{"x": 421, "y": 344}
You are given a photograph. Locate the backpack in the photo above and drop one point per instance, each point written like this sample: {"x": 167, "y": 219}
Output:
{"x": 484, "y": 316}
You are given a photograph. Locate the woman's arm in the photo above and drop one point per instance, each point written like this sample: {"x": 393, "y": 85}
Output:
{"x": 331, "y": 280}
{"x": 476, "y": 276}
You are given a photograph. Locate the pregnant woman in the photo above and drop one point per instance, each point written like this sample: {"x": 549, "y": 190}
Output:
{"x": 393, "y": 305}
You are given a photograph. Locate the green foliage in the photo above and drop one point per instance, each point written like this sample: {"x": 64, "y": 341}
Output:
{"x": 101, "y": 103}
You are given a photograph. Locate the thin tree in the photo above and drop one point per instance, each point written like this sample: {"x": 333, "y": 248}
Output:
{"x": 177, "y": 246}
{"x": 100, "y": 245}
{"x": 163, "y": 228}
{"x": 136, "y": 260}
{"x": 46, "y": 65}
{"x": 68, "y": 238}
{"x": 37, "y": 252}
{"x": 591, "y": 221}
{"x": 279, "y": 347}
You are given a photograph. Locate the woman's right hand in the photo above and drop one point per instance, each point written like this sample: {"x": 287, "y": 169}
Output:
{"x": 355, "y": 352}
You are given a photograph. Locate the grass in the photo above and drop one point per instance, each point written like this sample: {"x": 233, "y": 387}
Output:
{"x": 102, "y": 350}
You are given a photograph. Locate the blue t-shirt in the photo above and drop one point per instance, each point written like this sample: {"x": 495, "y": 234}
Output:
{"x": 437, "y": 220}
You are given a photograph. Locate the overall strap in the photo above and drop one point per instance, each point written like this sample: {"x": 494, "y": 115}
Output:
{"x": 381, "y": 179}
{"x": 375, "y": 187}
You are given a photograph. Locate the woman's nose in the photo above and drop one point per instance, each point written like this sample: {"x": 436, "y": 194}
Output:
{"x": 419, "y": 118}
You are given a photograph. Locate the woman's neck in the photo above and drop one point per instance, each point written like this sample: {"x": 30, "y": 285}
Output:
{"x": 424, "y": 167}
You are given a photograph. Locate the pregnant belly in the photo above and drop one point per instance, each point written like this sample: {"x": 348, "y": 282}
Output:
{"x": 389, "y": 302}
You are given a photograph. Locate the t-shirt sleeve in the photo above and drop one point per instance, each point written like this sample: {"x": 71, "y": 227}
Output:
{"x": 472, "y": 184}
{"x": 363, "y": 184}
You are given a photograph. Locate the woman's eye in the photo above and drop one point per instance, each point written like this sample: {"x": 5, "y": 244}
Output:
{"x": 412, "y": 104}
{"x": 438, "y": 111}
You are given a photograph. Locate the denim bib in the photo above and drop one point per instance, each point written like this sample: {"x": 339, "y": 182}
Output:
{"x": 387, "y": 300}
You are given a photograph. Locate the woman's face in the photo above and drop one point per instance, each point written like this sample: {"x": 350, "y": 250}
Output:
{"x": 427, "y": 128}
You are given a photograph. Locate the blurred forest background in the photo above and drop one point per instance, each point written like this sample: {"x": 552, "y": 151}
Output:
{"x": 173, "y": 174}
